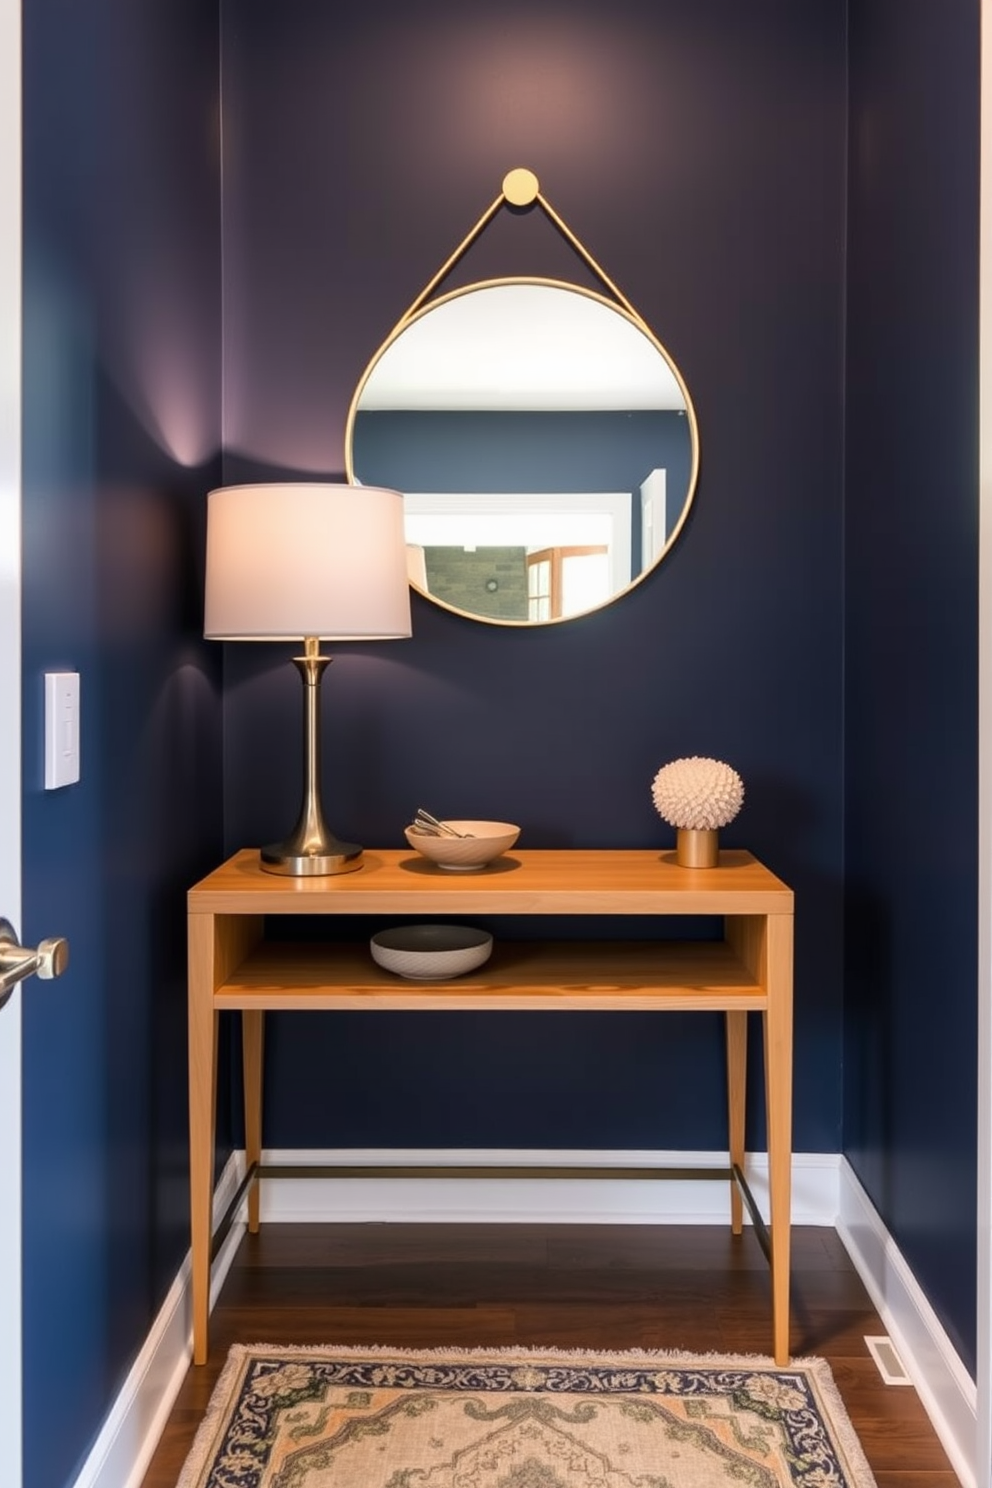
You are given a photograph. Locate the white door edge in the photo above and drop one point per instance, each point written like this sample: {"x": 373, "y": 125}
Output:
{"x": 984, "y": 1320}
{"x": 10, "y": 732}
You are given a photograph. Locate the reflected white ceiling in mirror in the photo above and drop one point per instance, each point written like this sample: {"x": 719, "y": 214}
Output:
{"x": 518, "y": 345}
{"x": 518, "y": 416}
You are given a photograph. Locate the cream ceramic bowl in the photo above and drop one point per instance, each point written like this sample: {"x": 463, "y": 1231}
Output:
{"x": 462, "y": 854}
{"x": 431, "y": 952}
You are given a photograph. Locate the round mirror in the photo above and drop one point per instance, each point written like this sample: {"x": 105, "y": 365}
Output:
{"x": 543, "y": 439}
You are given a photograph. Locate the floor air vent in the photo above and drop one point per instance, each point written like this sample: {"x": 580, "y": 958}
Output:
{"x": 887, "y": 1361}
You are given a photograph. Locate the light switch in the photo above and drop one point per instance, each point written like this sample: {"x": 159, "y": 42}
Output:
{"x": 61, "y": 729}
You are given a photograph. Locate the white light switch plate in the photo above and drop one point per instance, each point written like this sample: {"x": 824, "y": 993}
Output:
{"x": 61, "y": 729}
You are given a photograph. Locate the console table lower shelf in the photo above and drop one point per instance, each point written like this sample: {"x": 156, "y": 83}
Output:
{"x": 232, "y": 967}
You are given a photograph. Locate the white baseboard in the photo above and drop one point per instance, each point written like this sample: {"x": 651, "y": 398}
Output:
{"x": 130, "y": 1434}
{"x": 825, "y": 1191}
{"x": 536, "y": 1200}
{"x": 944, "y": 1385}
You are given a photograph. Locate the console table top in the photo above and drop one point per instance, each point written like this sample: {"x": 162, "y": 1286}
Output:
{"x": 529, "y": 881}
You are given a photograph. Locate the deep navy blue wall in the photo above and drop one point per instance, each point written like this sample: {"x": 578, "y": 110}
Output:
{"x": 698, "y": 153}
{"x": 912, "y": 633}
{"x": 121, "y": 376}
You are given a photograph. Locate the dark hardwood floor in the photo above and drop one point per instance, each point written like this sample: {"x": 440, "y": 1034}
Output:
{"x": 593, "y": 1286}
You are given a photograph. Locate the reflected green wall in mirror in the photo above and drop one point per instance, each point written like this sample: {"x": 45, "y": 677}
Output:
{"x": 535, "y": 417}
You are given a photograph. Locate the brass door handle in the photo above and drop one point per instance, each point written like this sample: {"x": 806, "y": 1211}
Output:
{"x": 17, "y": 962}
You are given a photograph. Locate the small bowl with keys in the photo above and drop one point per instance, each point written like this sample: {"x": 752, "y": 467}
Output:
{"x": 460, "y": 846}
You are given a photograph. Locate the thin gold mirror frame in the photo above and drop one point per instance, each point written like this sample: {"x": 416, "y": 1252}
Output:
{"x": 520, "y": 189}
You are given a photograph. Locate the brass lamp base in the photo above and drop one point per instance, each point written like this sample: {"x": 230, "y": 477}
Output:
{"x": 311, "y": 850}
{"x": 333, "y": 857}
{"x": 697, "y": 847}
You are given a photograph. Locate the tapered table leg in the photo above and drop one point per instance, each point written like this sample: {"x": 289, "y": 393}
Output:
{"x": 736, "y": 1090}
{"x": 202, "y": 1106}
{"x": 217, "y": 946}
{"x": 778, "y": 1105}
{"x": 252, "y": 1040}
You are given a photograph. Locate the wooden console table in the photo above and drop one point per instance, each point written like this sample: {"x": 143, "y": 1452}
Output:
{"x": 233, "y": 967}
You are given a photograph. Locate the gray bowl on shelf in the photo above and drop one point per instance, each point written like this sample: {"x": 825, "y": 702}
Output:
{"x": 431, "y": 953}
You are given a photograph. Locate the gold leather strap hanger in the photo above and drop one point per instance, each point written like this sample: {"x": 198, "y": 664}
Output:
{"x": 521, "y": 188}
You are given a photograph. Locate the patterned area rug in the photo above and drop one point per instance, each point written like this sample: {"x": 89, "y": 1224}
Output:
{"x": 390, "y": 1418}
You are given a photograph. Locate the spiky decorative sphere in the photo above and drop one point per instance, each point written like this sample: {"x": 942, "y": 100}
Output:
{"x": 698, "y": 794}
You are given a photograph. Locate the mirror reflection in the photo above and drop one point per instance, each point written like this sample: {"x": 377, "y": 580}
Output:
{"x": 543, "y": 439}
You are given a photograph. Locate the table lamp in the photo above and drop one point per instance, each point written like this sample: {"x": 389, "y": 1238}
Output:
{"x": 307, "y": 562}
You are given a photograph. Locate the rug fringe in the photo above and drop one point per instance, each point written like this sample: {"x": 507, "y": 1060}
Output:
{"x": 535, "y": 1351}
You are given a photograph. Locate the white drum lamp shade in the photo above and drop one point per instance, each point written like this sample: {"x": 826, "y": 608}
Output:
{"x": 307, "y": 562}
{"x": 295, "y": 560}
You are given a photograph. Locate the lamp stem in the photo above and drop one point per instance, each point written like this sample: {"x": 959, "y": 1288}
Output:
{"x": 311, "y": 849}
